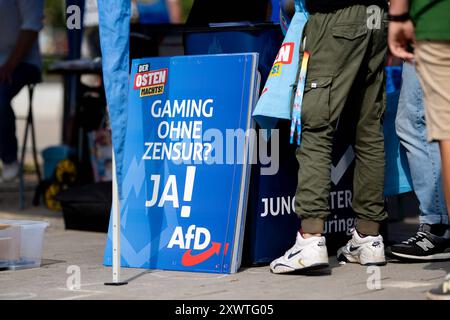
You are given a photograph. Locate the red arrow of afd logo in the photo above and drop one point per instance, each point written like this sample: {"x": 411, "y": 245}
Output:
{"x": 189, "y": 260}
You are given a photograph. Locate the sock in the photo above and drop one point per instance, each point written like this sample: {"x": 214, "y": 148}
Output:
{"x": 362, "y": 235}
{"x": 302, "y": 233}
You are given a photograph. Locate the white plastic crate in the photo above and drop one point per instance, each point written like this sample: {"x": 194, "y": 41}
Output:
{"x": 21, "y": 243}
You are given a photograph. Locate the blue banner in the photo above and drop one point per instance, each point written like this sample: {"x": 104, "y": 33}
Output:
{"x": 185, "y": 175}
{"x": 114, "y": 25}
{"x": 276, "y": 99}
{"x": 397, "y": 177}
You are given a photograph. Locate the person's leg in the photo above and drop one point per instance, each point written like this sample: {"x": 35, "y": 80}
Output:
{"x": 368, "y": 180}
{"x": 337, "y": 43}
{"x": 423, "y": 156}
{"x": 24, "y": 73}
{"x": 8, "y": 141}
{"x": 433, "y": 68}
{"x": 445, "y": 155}
{"x": 366, "y": 245}
{"x": 363, "y": 54}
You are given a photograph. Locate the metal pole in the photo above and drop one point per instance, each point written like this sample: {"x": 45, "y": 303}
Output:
{"x": 116, "y": 229}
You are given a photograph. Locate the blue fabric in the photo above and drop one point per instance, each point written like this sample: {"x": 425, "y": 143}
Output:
{"x": 393, "y": 78}
{"x": 423, "y": 157}
{"x": 275, "y": 101}
{"x": 114, "y": 23}
{"x": 154, "y": 12}
{"x": 275, "y": 16}
{"x": 397, "y": 177}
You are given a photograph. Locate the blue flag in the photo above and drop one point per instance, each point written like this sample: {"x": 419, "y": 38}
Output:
{"x": 276, "y": 99}
{"x": 114, "y": 23}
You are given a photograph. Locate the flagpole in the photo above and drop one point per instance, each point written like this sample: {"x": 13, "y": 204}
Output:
{"x": 116, "y": 229}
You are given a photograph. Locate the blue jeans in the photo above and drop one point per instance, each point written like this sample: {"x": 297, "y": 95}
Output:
{"x": 423, "y": 157}
{"x": 24, "y": 74}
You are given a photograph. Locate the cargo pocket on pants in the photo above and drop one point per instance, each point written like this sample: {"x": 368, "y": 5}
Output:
{"x": 349, "y": 31}
{"x": 316, "y": 102}
{"x": 346, "y": 40}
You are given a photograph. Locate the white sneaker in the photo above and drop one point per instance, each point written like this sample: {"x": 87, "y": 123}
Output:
{"x": 366, "y": 251}
{"x": 306, "y": 254}
{"x": 10, "y": 171}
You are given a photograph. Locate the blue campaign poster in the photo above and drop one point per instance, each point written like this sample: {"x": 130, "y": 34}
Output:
{"x": 185, "y": 165}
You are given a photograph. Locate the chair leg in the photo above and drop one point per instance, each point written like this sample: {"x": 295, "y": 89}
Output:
{"x": 22, "y": 163}
{"x": 29, "y": 126}
{"x": 33, "y": 135}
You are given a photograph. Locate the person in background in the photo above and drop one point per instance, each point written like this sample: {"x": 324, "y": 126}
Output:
{"x": 174, "y": 9}
{"x": 425, "y": 26}
{"x": 345, "y": 69}
{"x": 432, "y": 240}
{"x": 20, "y": 63}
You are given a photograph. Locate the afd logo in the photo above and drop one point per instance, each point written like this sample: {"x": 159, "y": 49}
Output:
{"x": 200, "y": 238}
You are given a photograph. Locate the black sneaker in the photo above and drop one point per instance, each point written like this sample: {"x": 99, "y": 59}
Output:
{"x": 423, "y": 246}
{"x": 442, "y": 292}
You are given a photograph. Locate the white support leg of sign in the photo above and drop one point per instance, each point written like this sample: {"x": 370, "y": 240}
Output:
{"x": 116, "y": 229}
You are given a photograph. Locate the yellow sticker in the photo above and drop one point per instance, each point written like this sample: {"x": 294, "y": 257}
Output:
{"x": 152, "y": 90}
{"x": 276, "y": 70}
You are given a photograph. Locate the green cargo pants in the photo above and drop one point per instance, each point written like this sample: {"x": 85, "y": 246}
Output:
{"x": 345, "y": 69}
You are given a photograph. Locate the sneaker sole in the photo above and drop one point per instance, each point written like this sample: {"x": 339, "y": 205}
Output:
{"x": 432, "y": 296}
{"x": 368, "y": 264}
{"x": 313, "y": 267}
{"x": 437, "y": 256}
{"x": 342, "y": 258}
{"x": 379, "y": 264}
